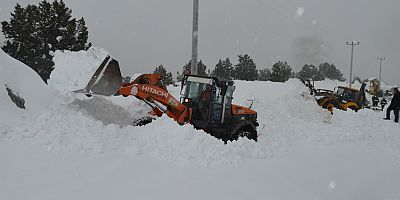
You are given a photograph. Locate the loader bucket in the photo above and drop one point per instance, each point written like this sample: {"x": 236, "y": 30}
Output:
{"x": 106, "y": 80}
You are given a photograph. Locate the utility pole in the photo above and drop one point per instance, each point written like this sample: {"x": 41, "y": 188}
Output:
{"x": 351, "y": 62}
{"x": 195, "y": 36}
{"x": 380, "y": 68}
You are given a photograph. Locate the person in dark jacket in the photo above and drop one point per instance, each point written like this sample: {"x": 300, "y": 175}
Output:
{"x": 383, "y": 103}
{"x": 394, "y": 105}
{"x": 375, "y": 101}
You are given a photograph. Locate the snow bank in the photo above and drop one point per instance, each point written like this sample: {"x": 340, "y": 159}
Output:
{"x": 73, "y": 70}
{"x": 97, "y": 125}
{"x": 24, "y": 82}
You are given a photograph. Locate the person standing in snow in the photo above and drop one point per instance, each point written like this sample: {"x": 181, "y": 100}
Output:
{"x": 394, "y": 105}
{"x": 383, "y": 103}
{"x": 375, "y": 101}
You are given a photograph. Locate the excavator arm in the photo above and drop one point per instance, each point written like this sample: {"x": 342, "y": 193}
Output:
{"x": 150, "y": 89}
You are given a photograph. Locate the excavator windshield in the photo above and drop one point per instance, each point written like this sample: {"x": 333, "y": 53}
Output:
{"x": 194, "y": 87}
{"x": 347, "y": 94}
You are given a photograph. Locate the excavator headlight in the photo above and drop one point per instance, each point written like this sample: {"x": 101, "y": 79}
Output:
{"x": 187, "y": 100}
{"x": 134, "y": 90}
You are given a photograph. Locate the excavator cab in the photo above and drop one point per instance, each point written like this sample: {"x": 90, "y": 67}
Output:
{"x": 347, "y": 95}
{"x": 210, "y": 99}
{"x": 206, "y": 96}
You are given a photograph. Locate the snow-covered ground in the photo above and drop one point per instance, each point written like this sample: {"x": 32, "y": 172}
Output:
{"x": 83, "y": 148}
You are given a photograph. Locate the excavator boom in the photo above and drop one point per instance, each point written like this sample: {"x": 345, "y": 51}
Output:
{"x": 155, "y": 95}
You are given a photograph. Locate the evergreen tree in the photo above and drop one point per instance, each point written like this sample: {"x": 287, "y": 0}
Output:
{"x": 201, "y": 69}
{"x": 356, "y": 78}
{"x": 187, "y": 68}
{"x": 34, "y": 33}
{"x": 311, "y": 72}
{"x": 281, "y": 72}
{"x": 178, "y": 77}
{"x": 264, "y": 75}
{"x": 330, "y": 71}
{"x": 294, "y": 75}
{"x": 166, "y": 76}
{"x": 223, "y": 69}
{"x": 246, "y": 69}
{"x": 82, "y": 36}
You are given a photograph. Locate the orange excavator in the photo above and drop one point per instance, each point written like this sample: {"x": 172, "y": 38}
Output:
{"x": 205, "y": 102}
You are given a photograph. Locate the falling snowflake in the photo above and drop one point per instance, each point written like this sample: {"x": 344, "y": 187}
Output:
{"x": 332, "y": 185}
{"x": 255, "y": 40}
{"x": 314, "y": 22}
{"x": 300, "y": 11}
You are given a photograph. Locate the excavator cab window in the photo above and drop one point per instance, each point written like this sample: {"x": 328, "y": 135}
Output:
{"x": 193, "y": 86}
{"x": 340, "y": 91}
{"x": 217, "y": 105}
{"x": 197, "y": 93}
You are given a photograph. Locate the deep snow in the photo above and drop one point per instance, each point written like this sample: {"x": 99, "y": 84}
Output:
{"x": 82, "y": 148}
{"x": 23, "y": 81}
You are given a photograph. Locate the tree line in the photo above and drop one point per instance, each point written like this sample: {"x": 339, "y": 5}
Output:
{"x": 246, "y": 69}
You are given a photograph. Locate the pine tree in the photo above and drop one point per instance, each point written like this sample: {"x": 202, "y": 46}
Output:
{"x": 82, "y": 36}
{"x": 166, "y": 76}
{"x": 201, "y": 69}
{"x": 34, "y": 33}
{"x": 264, "y": 75}
{"x": 281, "y": 72}
{"x": 187, "y": 69}
{"x": 179, "y": 77}
{"x": 330, "y": 71}
{"x": 311, "y": 72}
{"x": 356, "y": 78}
{"x": 246, "y": 69}
{"x": 223, "y": 69}
{"x": 294, "y": 75}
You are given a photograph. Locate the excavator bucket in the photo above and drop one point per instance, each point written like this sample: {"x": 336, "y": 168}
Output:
{"x": 106, "y": 80}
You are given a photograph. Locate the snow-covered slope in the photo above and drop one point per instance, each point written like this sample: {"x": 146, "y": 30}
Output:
{"x": 82, "y": 148}
{"x": 26, "y": 83}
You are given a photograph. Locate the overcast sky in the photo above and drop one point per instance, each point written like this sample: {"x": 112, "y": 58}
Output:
{"x": 142, "y": 34}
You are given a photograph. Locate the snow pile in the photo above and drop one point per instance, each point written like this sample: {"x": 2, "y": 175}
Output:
{"x": 23, "y": 82}
{"x": 96, "y": 125}
{"x": 73, "y": 70}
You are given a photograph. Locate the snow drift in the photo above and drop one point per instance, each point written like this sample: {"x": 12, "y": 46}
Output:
{"x": 23, "y": 82}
